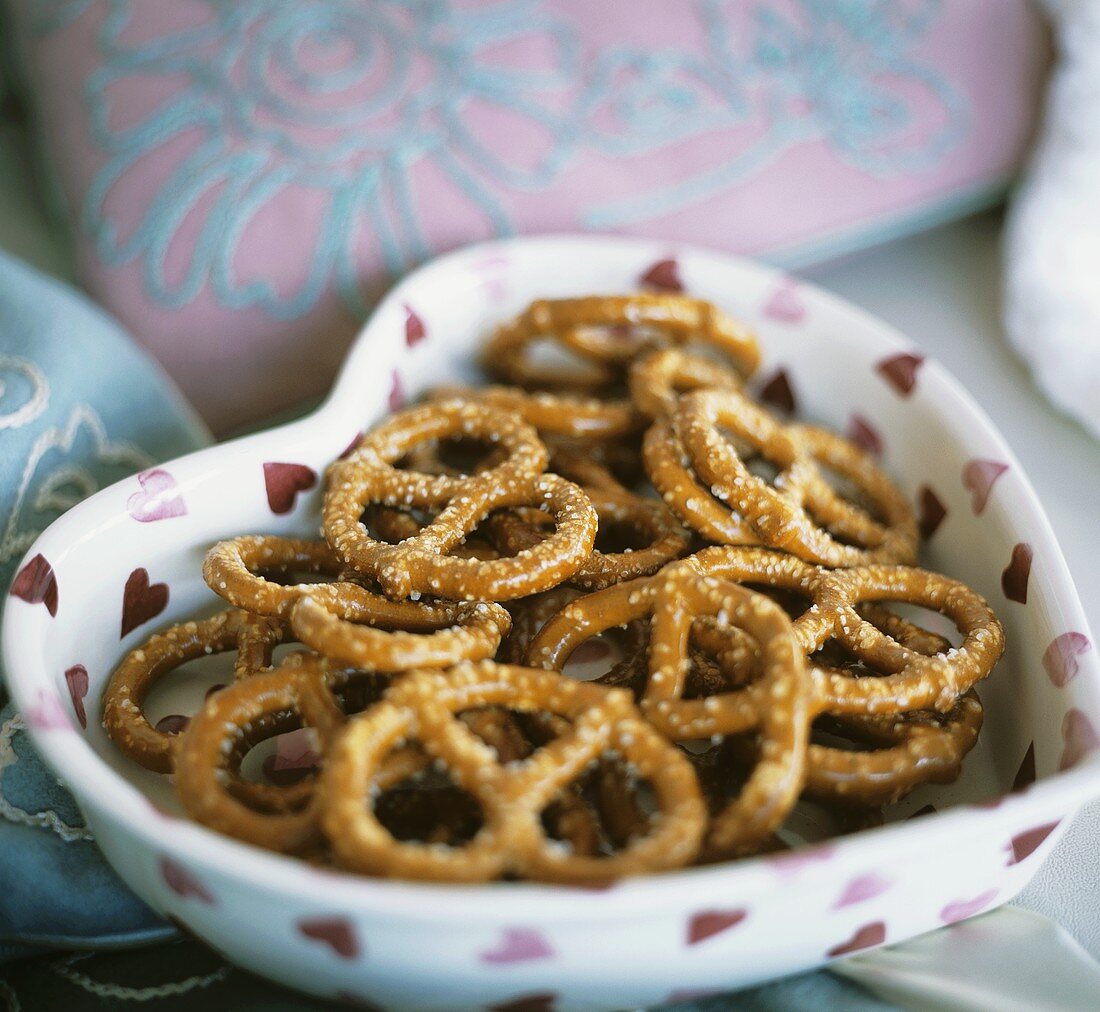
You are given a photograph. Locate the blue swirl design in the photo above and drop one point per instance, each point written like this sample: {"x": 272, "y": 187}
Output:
{"x": 267, "y": 120}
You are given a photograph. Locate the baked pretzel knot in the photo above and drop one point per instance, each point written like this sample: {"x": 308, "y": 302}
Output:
{"x": 605, "y": 333}
{"x": 692, "y": 464}
{"x": 421, "y": 564}
{"x": 423, "y": 707}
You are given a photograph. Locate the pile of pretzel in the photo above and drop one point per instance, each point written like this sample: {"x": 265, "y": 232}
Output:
{"x": 474, "y": 542}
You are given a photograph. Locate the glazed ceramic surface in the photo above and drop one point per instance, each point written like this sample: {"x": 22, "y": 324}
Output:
{"x": 128, "y": 560}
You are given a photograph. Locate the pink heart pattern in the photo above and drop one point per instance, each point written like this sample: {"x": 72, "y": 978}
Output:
{"x": 1079, "y": 738}
{"x": 337, "y": 933}
{"x": 785, "y": 304}
{"x": 663, "y": 275}
{"x": 519, "y": 945}
{"x": 861, "y": 889}
{"x": 141, "y": 600}
{"x": 350, "y": 448}
{"x": 1060, "y": 657}
{"x": 415, "y": 331}
{"x": 779, "y": 393}
{"x": 36, "y": 583}
{"x": 294, "y": 758}
{"x": 76, "y": 678}
{"x": 931, "y": 511}
{"x": 791, "y": 862}
{"x": 1017, "y": 572}
{"x": 864, "y": 938}
{"x": 708, "y": 923}
{"x": 960, "y": 910}
{"x": 865, "y": 435}
{"x": 158, "y": 499}
{"x": 47, "y": 714}
{"x": 182, "y": 882}
{"x": 979, "y": 477}
{"x": 900, "y": 371}
{"x": 283, "y": 482}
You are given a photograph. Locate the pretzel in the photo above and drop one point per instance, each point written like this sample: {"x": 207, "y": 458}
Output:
{"x": 798, "y": 510}
{"x": 779, "y": 702}
{"x": 663, "y": 539}
{"x": 511, "y": 839}
{"x": 905, "y": 677}
{"x": 592, "y": 327}
{"x": 907, "y": 750}
{"x": 421, "y": 564}
{"x": 343, "y": 628}
{"x": 292, "y": 695}
{"x": 394, "y": 525}
{"x": 658, "y": 379}
{"x": 252, "y": 637}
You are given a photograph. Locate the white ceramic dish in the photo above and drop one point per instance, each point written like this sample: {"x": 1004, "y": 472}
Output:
{"x": 642, "y": 941}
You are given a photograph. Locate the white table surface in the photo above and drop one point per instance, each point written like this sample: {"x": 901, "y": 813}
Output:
{"x": 942, "y": 289}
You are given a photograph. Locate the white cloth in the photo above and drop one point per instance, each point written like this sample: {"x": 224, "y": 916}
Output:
{"x": 1052, "y": 235}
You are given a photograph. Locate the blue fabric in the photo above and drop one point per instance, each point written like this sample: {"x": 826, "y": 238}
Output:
{"x": 80, "y": 408}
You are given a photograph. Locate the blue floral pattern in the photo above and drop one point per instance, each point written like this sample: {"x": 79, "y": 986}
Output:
{"x": 411, "y": 72}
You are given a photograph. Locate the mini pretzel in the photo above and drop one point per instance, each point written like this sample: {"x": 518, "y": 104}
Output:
{"x": 511, "y": 839}
{"x": 664, "y": 539}
{"x": 421, "y": 564}
{"x": 394, "y": 525}
{"x": 906, "y": 751}
{"x": 343, "y": 628}
{"x": 219, "y": 731}
{"x": 583, "y": 326}
{"x": 910, "y": 679}
{"x": 658, "y": 379}
{"x": 124, "y": 720}
{"x": 780, "y": 702}
{"x": 231, "y": 569}
{"x": 797, "y": 510}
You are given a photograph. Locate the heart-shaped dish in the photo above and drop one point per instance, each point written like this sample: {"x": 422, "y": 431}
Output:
{"x": 129, "y": 559}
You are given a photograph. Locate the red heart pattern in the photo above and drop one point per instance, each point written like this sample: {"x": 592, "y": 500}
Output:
{"x": 415, "y": 331}
{"x": 141, "y": 600}
{"x": 708, "y": 923}
{"x": 864, "y": 938}
{"x": 931, "y": 510}
{"x": 76, "y": 678}
{"x": 865, "y": 435}
{"x": 1079, "y": 738}
{"x": 283, "y": 483}
{"x": 182, "y": 882}
{"x": 900, "y": 371}
{"x": 663, "y": 275}
{"x": 979, "y": 477}
{"x": 337, "y": 933}
{"x": 36, "y": 583}
{"x": 785, "y": 303}
{"x": 960, "y": 910}
{"x": 779, "y": 393}
{"x": 396, "y": 399}
{"x": 518, "y": 945}
{"x": 861, "y": 889}
{"x": 1017, "y": 572}
{"x": 1025, "y": 775}
{"x": 158, "y": 499}
{"x": 1060, "y": 657}
{"x": 1024, "y": 844}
